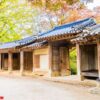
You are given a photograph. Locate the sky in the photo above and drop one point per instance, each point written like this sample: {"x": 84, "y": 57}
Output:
{"x": 94, "y": 4}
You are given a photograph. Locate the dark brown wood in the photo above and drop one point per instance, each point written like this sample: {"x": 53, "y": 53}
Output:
{"x": 88, "y": 56}
{"x": 55, "y": 68}
{"x": 98, "y": 50}
{"x": 90, "y": 73}
{"x": 5, "y": 61}
{"x": 87, "y": 59}
{"x": 16, "y": 61}
{"x": 64, "y": 61}
{"x": 28, "y": 61}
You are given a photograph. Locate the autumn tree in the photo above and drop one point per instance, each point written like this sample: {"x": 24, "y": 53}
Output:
{"x": 96, "y": 12}
{"x": 57, "y": 8}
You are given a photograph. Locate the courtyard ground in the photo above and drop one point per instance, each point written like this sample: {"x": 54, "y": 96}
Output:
{"x": 25, "y": 88}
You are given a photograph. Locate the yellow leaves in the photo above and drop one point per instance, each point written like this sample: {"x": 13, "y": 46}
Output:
{"x": 73, "y": 15}
{"x": 97, "y": 19}
{"x": 16, "y": 14}
{"x": 52, "y": 5}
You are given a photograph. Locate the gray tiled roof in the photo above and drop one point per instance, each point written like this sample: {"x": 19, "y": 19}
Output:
{"x": 87, "y": 33}
{"x": 18, "y": 43}
{"x": 71, "y": 28}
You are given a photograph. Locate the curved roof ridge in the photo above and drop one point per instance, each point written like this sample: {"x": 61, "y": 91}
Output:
{"x": 67, "y": 25}
{"x": 72, "y": 23}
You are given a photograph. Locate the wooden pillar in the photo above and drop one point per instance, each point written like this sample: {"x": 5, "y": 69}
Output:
{"x": 64, "y": 61}
{"x": 79, "y": 58}
{"x": 10, "y": 62}
{"x": 33, "y": 60}
{"x": 0, "y": 61}
{"x": 54, "y": 61}
{"x": 98, "y": 52}
{"x": 21, "y": 62}
{"x": 50, "y": 58}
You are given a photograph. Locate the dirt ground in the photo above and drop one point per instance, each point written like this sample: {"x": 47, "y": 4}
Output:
{"x": 25, "y": 88}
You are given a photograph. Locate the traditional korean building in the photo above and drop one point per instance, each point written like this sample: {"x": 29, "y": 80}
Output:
{"x": 11, "y": 57}
{"x": 59, "y": 44}
{"x": 88, "y": 52}
{"x": 48, "y": 51}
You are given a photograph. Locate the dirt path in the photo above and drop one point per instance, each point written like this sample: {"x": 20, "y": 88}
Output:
{"x": 23, "y": 88}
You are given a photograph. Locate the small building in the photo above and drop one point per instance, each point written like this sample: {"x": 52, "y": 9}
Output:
{"x": 59, "y": 44}
{"x": 48, "y": 51}
{"x": 88, "y": 52}
{"x": 39, "y": 56}
{"x": 11, "y": 57}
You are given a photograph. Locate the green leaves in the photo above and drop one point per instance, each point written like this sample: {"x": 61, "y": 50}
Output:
{"x": 16, "y": 19}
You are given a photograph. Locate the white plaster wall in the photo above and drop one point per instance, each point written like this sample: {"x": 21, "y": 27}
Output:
{"x": 44, "y": 62}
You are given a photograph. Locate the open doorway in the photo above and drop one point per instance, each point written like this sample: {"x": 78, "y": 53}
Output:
{"x": 89, "y": 66}
{"x": 4, "y": 61}
{"x": 73, "y": 61}
{"x": 16, "y": 61}
{"x": 28, "y": 61}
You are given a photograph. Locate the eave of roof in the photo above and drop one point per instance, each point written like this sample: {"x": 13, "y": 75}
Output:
{"x": 36, "y": 45}
{"x": 88, "y": 34}
{"x": 18, "y": 43}
{"x": 63, "y": 30}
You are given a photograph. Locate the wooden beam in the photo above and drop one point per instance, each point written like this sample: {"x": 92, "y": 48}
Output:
{"x": 21, "y": 62}
{"x": 33, "y": 60}
{"x": 10, "y": 62}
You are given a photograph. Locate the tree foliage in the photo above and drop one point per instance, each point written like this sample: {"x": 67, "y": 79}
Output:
{"x": 16, "y": 20}
{"x": 60, "y": 9}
